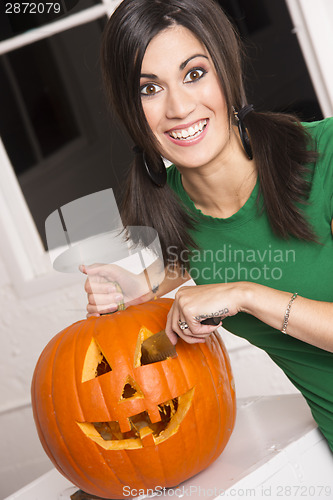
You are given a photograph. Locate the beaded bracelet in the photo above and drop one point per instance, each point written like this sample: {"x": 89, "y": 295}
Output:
{"x": 286, "y": 316}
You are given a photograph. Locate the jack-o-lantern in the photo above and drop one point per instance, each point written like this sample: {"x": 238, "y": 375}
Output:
{"x": 108, "y": 422}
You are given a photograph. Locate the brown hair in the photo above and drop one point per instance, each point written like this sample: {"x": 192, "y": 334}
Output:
{"x": 279, "y": 142}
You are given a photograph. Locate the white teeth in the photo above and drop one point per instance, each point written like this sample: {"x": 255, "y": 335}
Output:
{"x": 190, "y": 132}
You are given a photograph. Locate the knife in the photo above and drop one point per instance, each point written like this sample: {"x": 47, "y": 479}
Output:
{"x": 158, "y": 347}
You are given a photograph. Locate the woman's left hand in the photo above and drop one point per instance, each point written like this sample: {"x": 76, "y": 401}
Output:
{"x": 310, "y": 320}
{"x": 195, "y": 303}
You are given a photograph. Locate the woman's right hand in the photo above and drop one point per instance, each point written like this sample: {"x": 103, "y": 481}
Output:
{"x": 104, "y": 296}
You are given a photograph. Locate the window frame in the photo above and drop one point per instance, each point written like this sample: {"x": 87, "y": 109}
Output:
{"x": 313, "y": 28}
{"x": 27, "y": 263}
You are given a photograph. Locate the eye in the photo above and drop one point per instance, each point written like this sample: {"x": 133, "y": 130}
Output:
{"x": 150, "y": 89}
{"x": 139, "y": 360}
{"x": 194, "y": 75}
{"x": 95, "y": 363}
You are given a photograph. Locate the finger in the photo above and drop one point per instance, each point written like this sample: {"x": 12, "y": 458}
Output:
{"x": 92, "y": 286}
{"x": 102, "y": 309}
{"x": 197, "y": 329}
{"x": 185, "y": 333}
{"x": 98, "y": 299}
{"x": 179, "y": 323}
{"x": 168, "y": 327}
{"x": 173, "y": 318}
{"x": 205, "y": 327}
{"x": 190, "y": 339}
{"x": 95, "y": 269}
{"x": 92, "y": 269}
{"x": 174, "y": 331}
{"x": 173, "y": 337}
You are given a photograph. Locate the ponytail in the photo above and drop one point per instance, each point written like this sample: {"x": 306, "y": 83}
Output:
{"x": 282, "y": 150}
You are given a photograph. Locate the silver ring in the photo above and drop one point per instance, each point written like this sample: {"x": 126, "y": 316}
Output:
{"x": 182, "y": 325}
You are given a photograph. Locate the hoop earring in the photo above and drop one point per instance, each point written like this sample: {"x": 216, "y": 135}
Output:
{"x": 158, "y": 177}
{"x": 240, "y": 115}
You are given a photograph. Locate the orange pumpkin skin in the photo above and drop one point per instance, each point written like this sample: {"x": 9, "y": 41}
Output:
{"x": 199, "y": 380}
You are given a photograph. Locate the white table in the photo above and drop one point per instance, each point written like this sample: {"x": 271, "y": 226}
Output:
{"x": 275, "y": 452}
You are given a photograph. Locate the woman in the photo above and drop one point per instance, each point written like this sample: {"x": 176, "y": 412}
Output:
{"x": 248, "y": 205}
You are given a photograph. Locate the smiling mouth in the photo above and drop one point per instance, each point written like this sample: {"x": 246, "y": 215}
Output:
{"x": 109, "y": 436}
{"x": 189, "y": 133}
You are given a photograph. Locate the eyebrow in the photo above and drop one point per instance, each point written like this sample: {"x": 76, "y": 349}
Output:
{"x": 185, "y": 63}
{"x": 181, "y": 67}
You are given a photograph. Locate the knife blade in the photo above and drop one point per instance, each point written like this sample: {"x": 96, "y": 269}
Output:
{"x": 159, "y": 347}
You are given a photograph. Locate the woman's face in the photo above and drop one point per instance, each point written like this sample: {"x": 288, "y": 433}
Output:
{"x": 182, "y": 99}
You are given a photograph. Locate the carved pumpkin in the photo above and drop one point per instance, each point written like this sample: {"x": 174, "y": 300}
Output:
{"x": 107, "y": 422}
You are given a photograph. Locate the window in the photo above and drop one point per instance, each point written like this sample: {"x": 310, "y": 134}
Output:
{"x": 54, "y": 109}
{"x": 19, "y": 17}
{"x": 54, "y": 126}
{"x": 277, "y": 78}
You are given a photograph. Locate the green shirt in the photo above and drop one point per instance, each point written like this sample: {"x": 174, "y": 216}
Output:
{"x": 243, "y": 247}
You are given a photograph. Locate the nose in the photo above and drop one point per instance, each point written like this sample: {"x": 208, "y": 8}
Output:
{"x": 180, "y": 103}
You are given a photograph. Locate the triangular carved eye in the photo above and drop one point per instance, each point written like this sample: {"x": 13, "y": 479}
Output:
{"x": 131, "y": 389}
{"x": 144, "y": 334}
{"x": 95, "y": 363}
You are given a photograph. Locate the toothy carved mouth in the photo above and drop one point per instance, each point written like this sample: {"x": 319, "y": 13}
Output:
{"x": 109, "y": 436}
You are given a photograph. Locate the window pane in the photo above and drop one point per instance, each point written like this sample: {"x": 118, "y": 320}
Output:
{"x": 60, "y": 138}
{"x": 248, "y": 15}
{"x": 19, "y": 16}
{"x": 12, "y": 128}
{"x": 277, "y": 78}
{"x": 35, "y": 100}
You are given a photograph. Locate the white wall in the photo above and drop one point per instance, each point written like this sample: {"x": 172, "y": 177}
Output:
{"x": 26, "y": 325}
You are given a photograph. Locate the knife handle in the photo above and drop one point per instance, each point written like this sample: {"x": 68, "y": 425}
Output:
{"x": 215, "y": 320}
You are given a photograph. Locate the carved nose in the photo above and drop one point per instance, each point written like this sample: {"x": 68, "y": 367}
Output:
{"x": 131, "y": 389}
